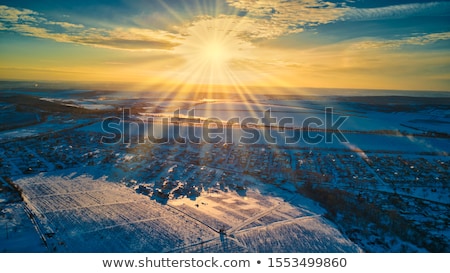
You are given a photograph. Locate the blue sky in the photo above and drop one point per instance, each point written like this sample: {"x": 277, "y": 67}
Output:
{"x": 311, "y": 43}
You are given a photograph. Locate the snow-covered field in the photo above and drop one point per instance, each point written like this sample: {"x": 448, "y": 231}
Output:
{"x": 78, "y": 213}
{"x": 52, "y": 125}
{"x": 87, "y": 104}
{"x": 437, "y": 120}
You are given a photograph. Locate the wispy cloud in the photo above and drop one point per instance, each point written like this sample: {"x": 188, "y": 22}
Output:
{"x": 275, "y": 18}
{"x": 30, "y": 23}
{"x": 419, "y": 40}
{"x": 269, "y": 19}
{"x": 245, "y": 29}
{"x": 14, "y": 15}
{"x": 396, "y": 11}
{"x": 288, "y": 17}
{"x": 65, "y": 25}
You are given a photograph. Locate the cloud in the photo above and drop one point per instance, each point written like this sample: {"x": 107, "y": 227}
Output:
{"x": 397, "y": 11}
{"x": 65, "y": 24}
{"x": 269, "y": 19}
{"x": 135, "y": 41}
{"x": 235, "y": 27}
{"x": 30, "y": 23}
{"x": 15, "y": 15}
{"x": 274, "y": 18}
{"x": 288, "y": 17}
{"x": 418, "y": 40}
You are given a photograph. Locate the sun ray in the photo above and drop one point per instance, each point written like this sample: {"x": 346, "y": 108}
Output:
{"x": 216, "y": 57}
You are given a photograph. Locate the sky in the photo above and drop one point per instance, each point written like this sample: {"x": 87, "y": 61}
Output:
{"x": 366, "y": 44}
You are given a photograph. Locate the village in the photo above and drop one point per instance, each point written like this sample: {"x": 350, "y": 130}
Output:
{"x": 185, "y": 169}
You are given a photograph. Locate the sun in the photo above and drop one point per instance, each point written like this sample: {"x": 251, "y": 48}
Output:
{"x": 208, "y": 56}
{"x": 212, "y": 52}
{"x": 216, "y": 53}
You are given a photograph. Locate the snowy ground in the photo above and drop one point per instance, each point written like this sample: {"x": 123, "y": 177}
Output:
{"x": 190, "y": 195}
{"x": 359, "y": 119}
{"x": 52, "y": 125}
{"x": 17, "y": 231}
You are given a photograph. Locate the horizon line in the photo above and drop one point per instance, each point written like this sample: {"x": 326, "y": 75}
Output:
{"x": 122, "y": 87}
